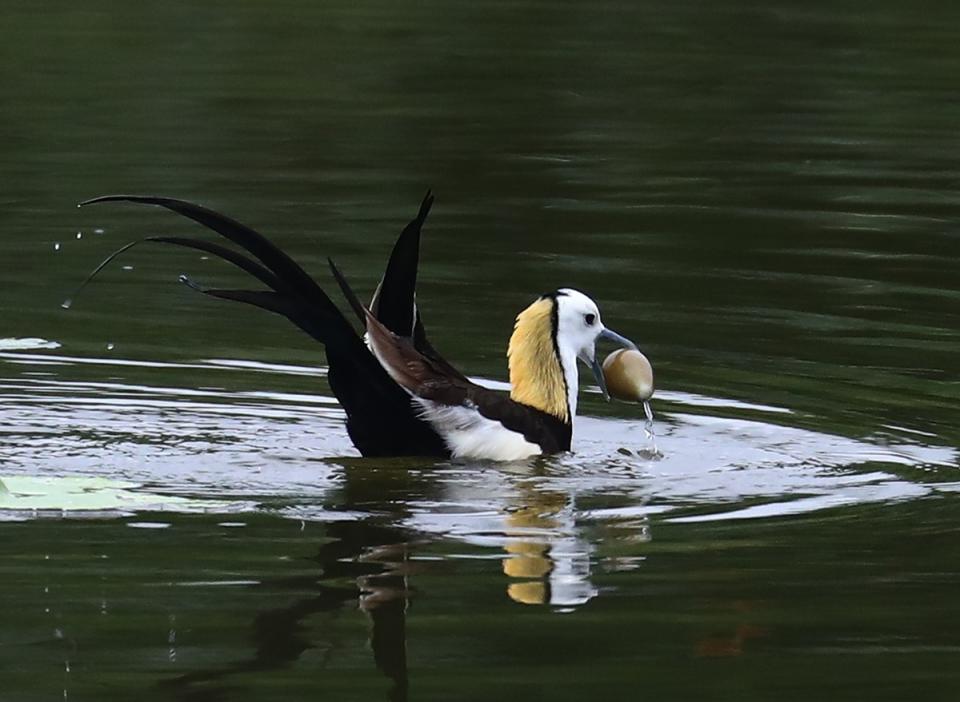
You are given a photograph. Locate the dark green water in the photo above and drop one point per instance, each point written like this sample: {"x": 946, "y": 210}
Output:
{"x": 766, "y": 197}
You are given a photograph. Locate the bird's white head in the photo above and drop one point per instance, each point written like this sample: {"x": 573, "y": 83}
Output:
{"x": 549, "y": 337}
{"x": 579, "y": 328}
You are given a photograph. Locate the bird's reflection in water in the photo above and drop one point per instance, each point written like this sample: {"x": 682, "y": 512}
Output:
{"x": 385, "y": 597}
{"x": 363, "y": 563}
{"x": 369, "y": 555}
{"x": 366, "y": 564}
{"x": 547, "y": 562}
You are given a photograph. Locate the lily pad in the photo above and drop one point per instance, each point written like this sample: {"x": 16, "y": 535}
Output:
{"x": 91, "y": 494}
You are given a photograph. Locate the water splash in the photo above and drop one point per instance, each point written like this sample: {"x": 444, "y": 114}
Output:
{"x": 649, "y": 432}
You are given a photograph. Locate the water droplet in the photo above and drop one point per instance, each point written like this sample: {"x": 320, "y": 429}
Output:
{"x": 649, "y": 431}
{"x": 79, "y": 235}
{"x": 56, "y": 247}
{"x": 110, "y": 346}
{"x": 67, "y": 304}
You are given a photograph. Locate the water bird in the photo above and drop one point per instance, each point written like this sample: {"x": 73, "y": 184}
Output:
{"x": 401, "y": 397}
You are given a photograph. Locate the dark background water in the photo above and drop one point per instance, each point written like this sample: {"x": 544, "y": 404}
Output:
{"x": 764, "y": 196}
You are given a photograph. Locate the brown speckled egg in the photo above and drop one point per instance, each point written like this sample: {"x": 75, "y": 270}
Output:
{"x": 629, "y": 375}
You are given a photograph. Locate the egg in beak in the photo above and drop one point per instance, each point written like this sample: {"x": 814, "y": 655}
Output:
{"x": 598, "y": 370}
{"x": 629, "y": 375}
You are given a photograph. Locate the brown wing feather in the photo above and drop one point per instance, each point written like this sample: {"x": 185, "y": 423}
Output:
{"x": 420, "y": 376}
{"x": 407, "y": 366}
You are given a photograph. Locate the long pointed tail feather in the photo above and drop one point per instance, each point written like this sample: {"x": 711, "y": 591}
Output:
{"x": 380, "y": 418}
{"x": 278, "y": 271}
{"x": 264, "y": 299}
{"x": 278, "y": 303}
{"x": 229, "y": 255}
{"x": 255, "y": 243}
{"x": 394, "y": 302}
{"x": 348, "y": 294}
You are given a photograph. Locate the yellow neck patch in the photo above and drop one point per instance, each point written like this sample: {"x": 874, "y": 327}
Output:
{"x": 536, "y": 377}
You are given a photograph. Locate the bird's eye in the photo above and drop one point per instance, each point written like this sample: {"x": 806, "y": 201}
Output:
{"x": 589, "y": 319}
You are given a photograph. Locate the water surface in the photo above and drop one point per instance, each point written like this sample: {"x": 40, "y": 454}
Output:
{"x": 765, "y": 198}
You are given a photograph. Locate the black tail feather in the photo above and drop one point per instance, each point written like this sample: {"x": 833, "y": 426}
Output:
{"x": 274, "y": 302}
{"x": 229, "y": 255}
{"x": 278, "y": 271}
{"x": 244, "y": 263}
{"x": 283, "y": 267}
{"x": 264, "y": 299}
{"x": 380, "y": 418}
{"x": 394, "y": 302}
{"x": 348, "y": 294}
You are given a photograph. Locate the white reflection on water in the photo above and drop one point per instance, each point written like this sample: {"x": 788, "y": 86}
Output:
{"x": 30, "y": 343}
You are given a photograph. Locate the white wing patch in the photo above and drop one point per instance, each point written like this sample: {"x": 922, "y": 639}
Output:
{"x": 468, "y": 434}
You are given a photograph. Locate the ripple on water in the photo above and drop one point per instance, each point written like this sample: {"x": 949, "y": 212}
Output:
{"x": 213, "y": 449}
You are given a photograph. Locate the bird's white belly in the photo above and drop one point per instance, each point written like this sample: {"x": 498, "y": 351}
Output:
{"x": 468, "y": 434}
